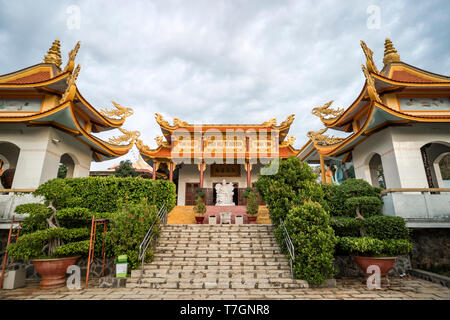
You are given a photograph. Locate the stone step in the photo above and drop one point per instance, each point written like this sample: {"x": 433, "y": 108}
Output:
{"x": 192, "y": 255}
{"x": 177, "y": 273}
{"x": 164, "y": 283}
{"x": 205, "y": 257}
{"x": 206, "y": 268}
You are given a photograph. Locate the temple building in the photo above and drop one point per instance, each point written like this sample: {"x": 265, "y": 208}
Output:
{"x": 46, "y": 121}
{"x": 397, "y": 137}
{"x": 201, "y": 156}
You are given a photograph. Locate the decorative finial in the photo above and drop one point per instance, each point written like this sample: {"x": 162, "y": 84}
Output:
{"x": 390, "y": 54}
{"x": 54, "y": 54}
{"x": 72, "y": 54}
{"x": 69, "y": 93}
{"x": 369, "y": 58}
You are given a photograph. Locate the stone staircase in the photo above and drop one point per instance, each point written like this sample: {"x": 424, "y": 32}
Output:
{"x": 190, "y": 256}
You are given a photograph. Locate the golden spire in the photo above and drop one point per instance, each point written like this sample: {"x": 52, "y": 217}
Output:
{"x": 72, "y": 54}
{"x": 54, "y": 54}
{"x": 390, "y": 54}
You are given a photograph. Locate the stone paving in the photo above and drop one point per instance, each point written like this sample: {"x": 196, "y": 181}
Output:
{"x": 407, "y": 288}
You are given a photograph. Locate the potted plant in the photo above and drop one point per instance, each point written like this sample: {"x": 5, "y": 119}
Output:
{"x": 199, "y": 210}
{"x": 368, "y": 251}
{"x": 252, "y": 205}
{"x": 51, "y": 247}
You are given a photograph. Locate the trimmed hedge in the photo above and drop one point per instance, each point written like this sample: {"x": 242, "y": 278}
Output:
{"x": 346, "y": 226}
{"x": 385, "y": 227}
{"x": 105, "y": 194}
{"x": 373, "y": 247}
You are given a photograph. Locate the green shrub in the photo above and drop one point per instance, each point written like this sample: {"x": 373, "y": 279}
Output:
{"x": 385, "y": 227}
{"x": 329, "y": 195}
{"x": 368, "y": 205}
{"x": 314, "y": 242}
{"x": 373, "y": 247}
{"x": 346, "y": 226}
{"x": 129, "y": 227}
{"x": 292, "y": 185}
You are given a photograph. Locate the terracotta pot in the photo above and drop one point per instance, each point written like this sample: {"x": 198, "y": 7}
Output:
{"x": 53, "y": 271}
{"x": 385, "y": 263}
{"x": 199, "y": 219}
{"x": 252, "y": 219}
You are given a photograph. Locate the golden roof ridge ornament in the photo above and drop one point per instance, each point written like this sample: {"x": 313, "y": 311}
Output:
{"x": 324, "y": 112}
{"x": 318, "y": 137}
{"x": 161, "y": 121}
{"x": 288, "y": 142}
{"x": 288, "y": 121}
{"x": 69, "y": 93}
{"x": 177, "y": 122}
{"x": 72, "y": 55}
{"x": 271, "y": 123}
{"x": 161, "y": 143}
{"x": 369, "y": 58}
{"x": 54, "y": 54}
{"x": 371, "y": 90}
{"x": 120, "y": 112}
{"x": 141, "y": 146}
{"x": 390, "y": 53}
{"x": 128, "y": 136}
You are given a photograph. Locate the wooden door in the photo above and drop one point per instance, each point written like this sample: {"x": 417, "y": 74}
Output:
{"x": 189, "y": 196}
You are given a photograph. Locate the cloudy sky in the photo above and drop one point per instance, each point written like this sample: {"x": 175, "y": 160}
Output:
{"x": 217, "y": 61}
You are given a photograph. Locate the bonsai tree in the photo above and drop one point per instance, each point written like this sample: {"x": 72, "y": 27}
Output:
{"x": 252, "y": 201}
{"x": 48, "y": 229}
{"x": 199, "y": 207}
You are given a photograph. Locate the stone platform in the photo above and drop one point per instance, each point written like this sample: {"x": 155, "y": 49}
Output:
{"x": 235, "y": 210}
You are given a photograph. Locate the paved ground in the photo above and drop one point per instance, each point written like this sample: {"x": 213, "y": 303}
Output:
{"x": 408, "y": 288}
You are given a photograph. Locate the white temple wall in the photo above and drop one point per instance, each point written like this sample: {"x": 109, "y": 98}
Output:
{"x": 381, "y": 143}
{"x": 189, "y": 173}
{"x": 399, "y": 148}
{"x": 40, "y": 154}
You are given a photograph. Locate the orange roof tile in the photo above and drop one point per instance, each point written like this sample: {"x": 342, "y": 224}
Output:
{"x": 36, "y": 77}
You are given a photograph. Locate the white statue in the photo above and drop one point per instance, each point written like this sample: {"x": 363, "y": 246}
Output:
{"x": 224, "y": 194}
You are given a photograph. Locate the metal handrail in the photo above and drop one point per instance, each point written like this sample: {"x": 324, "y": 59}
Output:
{"x": 289, "y": 245}
{"x": 162, "y": 215}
